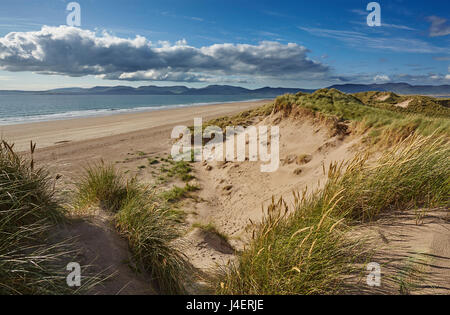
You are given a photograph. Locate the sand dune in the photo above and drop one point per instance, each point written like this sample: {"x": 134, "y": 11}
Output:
{"x": 232, "y": 194}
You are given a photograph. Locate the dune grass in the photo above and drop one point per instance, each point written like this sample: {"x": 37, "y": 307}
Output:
{"x": 151, "y": 231}
{"x": 177, "y": 193}
{"x": 176, "y": 169}
{"x": 30, "y": 263}
{"x": 418, "y": 104}
{"x": 383, "y": 125}
{"x": 305, "y": 250}
{"x": 243, "y": 119}
{"x": 101, "y": 185}
{"x": 143, "y": 219}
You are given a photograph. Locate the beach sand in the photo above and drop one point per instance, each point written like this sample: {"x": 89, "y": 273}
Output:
{"x": 65, "y": 147}
{"x": 52, "y": 133}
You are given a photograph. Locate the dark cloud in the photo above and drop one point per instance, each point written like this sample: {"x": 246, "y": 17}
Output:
{"x": 77, "y": 52}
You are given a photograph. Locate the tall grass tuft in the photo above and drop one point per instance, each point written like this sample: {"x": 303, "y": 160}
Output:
{"x": 101, "y": 185}
{"x": 415, "y": 173}
{"x": 151, "y": 230}
{"x": 306, "y": 251}
{"x": 29, "y": 262}
{"x": 144, "y": 220}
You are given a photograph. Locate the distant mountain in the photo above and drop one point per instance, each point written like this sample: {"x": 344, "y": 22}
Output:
{"x": 280, "y": 91}
{"x": 399, "y": 88}
{"x": 163, "y": 90}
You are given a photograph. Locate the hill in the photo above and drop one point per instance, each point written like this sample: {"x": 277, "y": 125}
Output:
{"x": 162, "y": 90}
{"x": 398, "y": 88}
{"x": 409, "y": 104}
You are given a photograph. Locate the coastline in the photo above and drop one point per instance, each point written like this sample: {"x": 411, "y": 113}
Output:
{"x": 59, "y": 132}
{"x": 99, "y": 112}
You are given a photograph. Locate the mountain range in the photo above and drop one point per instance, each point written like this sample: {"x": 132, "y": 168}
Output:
{"x": 399, "y": 88}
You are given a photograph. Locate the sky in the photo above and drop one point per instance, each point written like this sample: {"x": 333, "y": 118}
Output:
{"x": 299, "y": 44}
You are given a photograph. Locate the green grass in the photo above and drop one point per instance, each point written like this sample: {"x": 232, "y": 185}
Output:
{"x": 30, "y": 263}
{"x": 413, "y": 174}
{"x": 143, "y": 219}
{"x": 384, "y": 124}
{"x": 177, "y": 169}
{"x": 243, "y": 119}
{"x": 151, "y": 231}
{"x": 153, "y": 161}
{"x": 177, "y": 193}
{"x": 101, "y": 185}
{"x": 307, "y": 251}
{"x": 180, "y": 169}
{"x": 418, "y": 104}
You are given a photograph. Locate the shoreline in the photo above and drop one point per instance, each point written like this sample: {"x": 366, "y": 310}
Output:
{"x": 76, "y": 114}
{"x": 57, "y": 132}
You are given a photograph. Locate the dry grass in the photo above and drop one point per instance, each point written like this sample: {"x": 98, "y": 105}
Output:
{"x": 382, "y": 125}
{"x": 305, "y": 251}
{"x": 143, "y": 219}
{"x": 30, "y": 262}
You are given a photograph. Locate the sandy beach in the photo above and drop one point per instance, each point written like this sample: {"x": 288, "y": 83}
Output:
{"x": 51, "y": 133}
{"x": 65, "y": 147}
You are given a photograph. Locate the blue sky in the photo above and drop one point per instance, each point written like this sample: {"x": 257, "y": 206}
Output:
{"x": 249, "y": 43}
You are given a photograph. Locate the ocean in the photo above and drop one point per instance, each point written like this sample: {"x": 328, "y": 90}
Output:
{"x": 16, "y": 109}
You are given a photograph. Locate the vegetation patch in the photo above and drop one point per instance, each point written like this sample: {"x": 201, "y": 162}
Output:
{"x": 177, "y": 193}
{"x": 148, "y": 224}
{"x": 31, "y": 263}
{"x": 306, "y": 251}
{"x": 383, "y": 123}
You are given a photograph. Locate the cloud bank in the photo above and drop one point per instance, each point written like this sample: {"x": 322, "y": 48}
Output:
{"x": 76, "y": 52}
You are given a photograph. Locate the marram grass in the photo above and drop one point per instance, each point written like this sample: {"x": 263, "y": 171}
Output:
{"x": 149, "y": 226}
{"x": 31, "y": 263}
{"x": 306, "y": 251}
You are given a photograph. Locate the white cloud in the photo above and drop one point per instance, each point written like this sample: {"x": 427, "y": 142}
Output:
{"x": 76, "y": 52}
{"x": 381, "y": 77}
{"x": 363, "y": 41}
{"x": 447, "y": 77}
{"x": 397, "y": 26}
